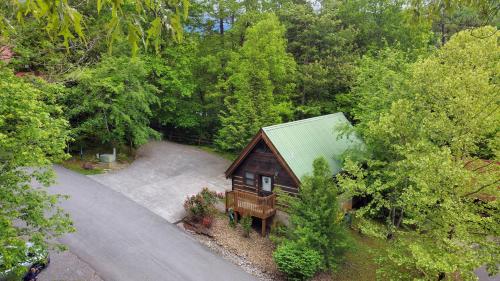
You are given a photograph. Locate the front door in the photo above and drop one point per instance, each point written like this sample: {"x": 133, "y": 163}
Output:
{"x": 266, "y": 185}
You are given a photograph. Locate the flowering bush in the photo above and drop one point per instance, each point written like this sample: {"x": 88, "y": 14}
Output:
{"x": 221, "y": 195}
{"x": 200, "y": 205}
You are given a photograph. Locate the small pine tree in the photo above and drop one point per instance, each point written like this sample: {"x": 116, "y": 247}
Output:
{"x": 246, "y": 224}
{"x": 314, "y": 216}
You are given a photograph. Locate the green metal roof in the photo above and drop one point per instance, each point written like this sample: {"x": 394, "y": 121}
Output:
{"x": 300, "y": 142}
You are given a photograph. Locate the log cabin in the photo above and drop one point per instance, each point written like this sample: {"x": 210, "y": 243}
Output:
{"x": 279, "y": 156}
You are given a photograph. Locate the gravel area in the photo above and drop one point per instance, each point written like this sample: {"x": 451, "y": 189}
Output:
{"x": 253, "y": 254}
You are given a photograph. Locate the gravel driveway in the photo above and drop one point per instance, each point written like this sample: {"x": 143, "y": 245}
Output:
{"x": 164, "y": 173}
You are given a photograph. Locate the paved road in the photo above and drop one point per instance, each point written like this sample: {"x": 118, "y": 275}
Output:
{"x": 66, "y": 266}
{"x": 482, "y": 274}
{"x": 165, "y": 173}
{"x": 123, "y": 241}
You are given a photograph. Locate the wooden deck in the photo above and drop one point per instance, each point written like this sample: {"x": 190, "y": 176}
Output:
{"x": 250, "y": 204}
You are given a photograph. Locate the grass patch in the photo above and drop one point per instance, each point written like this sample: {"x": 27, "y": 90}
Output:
{"x": 124, "y": 156}
{"x": 224, "y": 154}
{"x": 360, "y": 262}
{"x": 76, "y": 166}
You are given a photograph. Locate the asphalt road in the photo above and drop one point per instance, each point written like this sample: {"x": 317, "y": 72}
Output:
{"x": 123, "y": 241}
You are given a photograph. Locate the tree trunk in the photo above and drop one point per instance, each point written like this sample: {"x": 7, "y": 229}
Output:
{"x": 221, "y": 17}
{"x": 221, "y": 26}
{"x": 442, "y": 25}
{"x": 400, "y": 218}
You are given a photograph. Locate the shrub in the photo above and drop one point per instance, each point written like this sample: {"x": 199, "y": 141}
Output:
{"x": 200, "y": 205}
{"x": 296, "y": 261}
{"x": 278, "y": 233}
{"x": 246, "y": 224}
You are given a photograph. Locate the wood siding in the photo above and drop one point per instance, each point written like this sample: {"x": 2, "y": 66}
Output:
{"x": 262, "y": 162}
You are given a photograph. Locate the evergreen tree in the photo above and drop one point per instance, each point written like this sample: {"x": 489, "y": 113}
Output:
{"x": 315, "y": 216}
{"x": 260, "y": 84}
{"x": 325, "y": 54}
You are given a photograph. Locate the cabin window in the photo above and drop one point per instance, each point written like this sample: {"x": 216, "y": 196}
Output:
{"x": 249, "y": 178}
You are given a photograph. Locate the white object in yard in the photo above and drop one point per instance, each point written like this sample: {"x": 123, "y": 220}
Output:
{"x": 108, "y": 158}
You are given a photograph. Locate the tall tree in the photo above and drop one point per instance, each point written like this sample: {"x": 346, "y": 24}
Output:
{"x": 324, "y": 51}
{"x": 171, "y": 71}
{"x": 380, "y": 79}
{"x": 382, "y": 23}
{"x": 448, "y": 17}
{"x": 427, "y": 185}
{"x": 260, "y": 84}
{"x": 33, "y": 135}
{"x": 111, "y": 103}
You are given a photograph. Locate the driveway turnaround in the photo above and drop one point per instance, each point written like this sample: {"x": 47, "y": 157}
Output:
{"x": 165, "y": 173}
{"x": 123, "y": 241}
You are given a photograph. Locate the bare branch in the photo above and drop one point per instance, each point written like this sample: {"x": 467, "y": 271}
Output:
{"x": 481, "y": 188}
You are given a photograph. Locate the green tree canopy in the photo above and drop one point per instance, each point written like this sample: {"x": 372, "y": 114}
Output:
{"x": 324, "y": 50}
{"x": 259, "y": 87}
{"x": 111, "y": 103}
{"x": 33, "y": 135}
{"x": 172, "y": 74}
{"x": 138, "y": 20}
{"x": 424, "y": 176}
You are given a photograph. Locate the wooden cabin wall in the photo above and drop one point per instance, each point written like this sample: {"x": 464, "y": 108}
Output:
{"x": 261, "y": 161}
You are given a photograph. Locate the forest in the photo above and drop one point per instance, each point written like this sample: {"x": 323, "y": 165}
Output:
{"x": 418, "y": 80}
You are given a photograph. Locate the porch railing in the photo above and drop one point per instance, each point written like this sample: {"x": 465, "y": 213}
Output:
{"x": 247, "y": 203}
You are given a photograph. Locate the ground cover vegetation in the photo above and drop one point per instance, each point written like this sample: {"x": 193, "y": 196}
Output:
{"x": 418, "y": 79}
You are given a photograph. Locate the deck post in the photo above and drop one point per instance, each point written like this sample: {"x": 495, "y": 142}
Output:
{"x": 264, "y": 227}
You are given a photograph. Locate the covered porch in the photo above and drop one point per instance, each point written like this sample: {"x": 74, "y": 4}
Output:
{"x": 251, "y": 204}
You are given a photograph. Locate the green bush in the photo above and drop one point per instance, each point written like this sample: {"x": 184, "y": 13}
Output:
{"x": 246, "y": 224}
{"x": 296, "y": 261}
{"x": 278, "y": 233}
